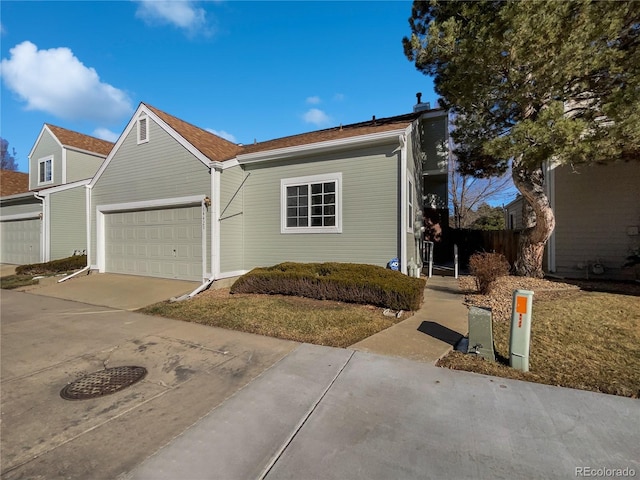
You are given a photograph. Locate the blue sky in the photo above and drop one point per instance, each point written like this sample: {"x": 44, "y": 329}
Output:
{"x": 244, "y": 70}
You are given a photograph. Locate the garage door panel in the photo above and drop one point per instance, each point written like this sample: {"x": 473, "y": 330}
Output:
{"x": 20, "y": 241}
{"x": 162, "y": 243}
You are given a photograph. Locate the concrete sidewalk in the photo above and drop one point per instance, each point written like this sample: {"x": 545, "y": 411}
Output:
{"x": 431, "y": 332}
{"x": 324, "y": 413}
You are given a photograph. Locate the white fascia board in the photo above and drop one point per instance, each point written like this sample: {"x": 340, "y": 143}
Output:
{"x": 116, "y": 147}
{"x": 66, "y": 186}
{"x": 229, "y": 163}
{"x": 20, "y": 216}
{"x": 179, "y": 138}
{"x": 82, "y": 150}
{"x": 158, "y": 203}
{"x": 320, "y": 147}
{"x": 142, "y": 108}
{"x": 44, "y": 129}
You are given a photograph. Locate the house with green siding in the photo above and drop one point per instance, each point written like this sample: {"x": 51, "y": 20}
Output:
{"x": 173, "y": 200}
{"x": 48, "y": 219}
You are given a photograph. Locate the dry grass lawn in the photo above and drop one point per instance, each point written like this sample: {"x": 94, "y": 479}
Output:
{"x": 580, "y": 339}
{"x": 321, "y": 322}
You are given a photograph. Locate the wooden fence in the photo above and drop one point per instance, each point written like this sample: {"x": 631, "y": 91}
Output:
{"x": 472, "y": 241}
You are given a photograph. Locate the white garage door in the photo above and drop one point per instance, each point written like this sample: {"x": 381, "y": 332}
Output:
{"x": 20, "y": 241}
{"x": 164, "y": 243}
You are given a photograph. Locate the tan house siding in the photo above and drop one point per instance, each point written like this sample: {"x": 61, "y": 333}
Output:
{"x": 597, "y": 218}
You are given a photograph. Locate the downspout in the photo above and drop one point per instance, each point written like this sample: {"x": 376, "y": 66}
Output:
{"x": 203, "y": 226}
{"x": 44, "y": 240}
{"x": 215, "y": 223}
{"x": 403, "y": 204}
{"x": 87, "y": 196}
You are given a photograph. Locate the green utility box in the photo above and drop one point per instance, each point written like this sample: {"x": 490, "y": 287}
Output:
{"x": 520, "y": 337}
{"x": 481, "y": 333}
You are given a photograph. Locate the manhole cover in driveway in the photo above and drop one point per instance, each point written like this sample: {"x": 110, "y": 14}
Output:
{"x": 104, "y": 382}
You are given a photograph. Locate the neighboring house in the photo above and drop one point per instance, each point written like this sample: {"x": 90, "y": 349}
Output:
{"x": 61, "y": 163}
{"x": 20, "y": 219}
{"x": 173, "y": 200}
{"x": 513, "y": 213}
{"x": 597, "y": 212}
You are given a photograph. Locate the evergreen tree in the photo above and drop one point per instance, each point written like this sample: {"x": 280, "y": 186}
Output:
{"x": 533, "y": 83}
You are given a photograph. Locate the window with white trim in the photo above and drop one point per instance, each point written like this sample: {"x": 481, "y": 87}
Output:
{"x": 45, "y": 170}
{"x": 143, "y": 129}
{"x": 311, "y": 204}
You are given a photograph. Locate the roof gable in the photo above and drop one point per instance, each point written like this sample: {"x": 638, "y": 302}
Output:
{"x": 215, "y": 148}
{"x": 12, "y": 183}
{"x": 69, "y": 138}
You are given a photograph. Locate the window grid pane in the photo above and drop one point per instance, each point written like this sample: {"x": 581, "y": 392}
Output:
{"x": 297, "y": 209}
{"x": 321, "y": 213}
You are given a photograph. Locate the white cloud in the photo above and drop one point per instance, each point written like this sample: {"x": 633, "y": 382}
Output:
{"x": 338, "y": 97}
{"x": 106, "y": 134}
{"x": 55, "y": 81}
{"x": 316, "y": 116}
{"x": 183, "y": 14}
{"x": 313, "y": 100}
{"x": 223, "y": 134}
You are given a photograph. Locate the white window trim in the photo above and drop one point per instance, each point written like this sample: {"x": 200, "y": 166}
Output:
{"x": 146, "y": 119}
{"x": 41, "y": 161}
{"x": 411, "y": 205}
{"x": 290, "y": 182}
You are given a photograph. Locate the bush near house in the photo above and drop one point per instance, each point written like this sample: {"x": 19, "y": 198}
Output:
{"x": 344, "y": 282}
{"x": 56, "y": 266}
{"x": 487, "y": 268}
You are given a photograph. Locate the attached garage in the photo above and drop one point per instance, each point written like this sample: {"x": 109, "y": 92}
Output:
{"x": 20, "y": 238}
{"x": 156, "y": 242}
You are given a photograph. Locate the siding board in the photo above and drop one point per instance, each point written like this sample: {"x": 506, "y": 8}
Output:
{"x": 68, "y": 224}
{"x": 595, "y": 207}
{"x": 369, "y": 210}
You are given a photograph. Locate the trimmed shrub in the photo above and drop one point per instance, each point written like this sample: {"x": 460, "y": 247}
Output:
{"x": 487, "y": 267}
{"x": 343, "y": 282}
{"x": 74, "y": 262}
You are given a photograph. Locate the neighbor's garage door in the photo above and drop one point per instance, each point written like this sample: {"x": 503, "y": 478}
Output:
{"x": 164, "y": 243}
{"x": 20, "y": 241}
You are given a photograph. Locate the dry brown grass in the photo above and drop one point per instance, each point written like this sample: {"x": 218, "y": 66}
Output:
{"x": 321, "y": 322}
{"x": 579, "y": 339}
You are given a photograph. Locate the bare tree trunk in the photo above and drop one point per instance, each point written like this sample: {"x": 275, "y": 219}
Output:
{"x": 530, "y": 182}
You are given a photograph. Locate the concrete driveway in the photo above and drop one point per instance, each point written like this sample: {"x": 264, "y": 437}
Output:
{"x": 46, "y": 343}
{"x": 123, "y": 292}
{"x": 219, "y": 404}
{"x": 7, "y": 269}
